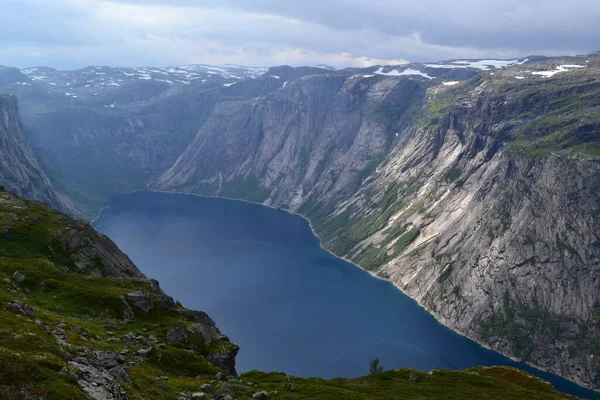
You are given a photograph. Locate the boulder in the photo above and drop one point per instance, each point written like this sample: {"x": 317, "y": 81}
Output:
{"x": 209, "y": 333}
{"x": 141, "y": 300}
{"x": 109, "y": 359}
{"x": 18, "y": 277}
{"x": 176, "y": 334}
{"x": 128, "y": 314}
{"x": 206, "y": 388}
{"x": 260, "y": 395}
{"x": 198, "y": 395}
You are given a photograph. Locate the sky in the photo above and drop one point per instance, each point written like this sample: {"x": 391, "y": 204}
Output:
{"x": 70, "y": 34}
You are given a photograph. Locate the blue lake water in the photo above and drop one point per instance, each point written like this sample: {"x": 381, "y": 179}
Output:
{"x": 261, "y": 274}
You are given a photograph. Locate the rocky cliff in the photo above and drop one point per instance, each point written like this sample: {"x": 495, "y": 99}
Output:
{"x": 19, "y": 168}
{"x": 479, "y": 199}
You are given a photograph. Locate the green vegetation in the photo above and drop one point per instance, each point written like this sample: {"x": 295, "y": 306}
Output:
{"x": 523, "y": 326}
{"x": 452, "y": 175}
{"x": 477, "y": 383}
{"x": 247, "y": 188}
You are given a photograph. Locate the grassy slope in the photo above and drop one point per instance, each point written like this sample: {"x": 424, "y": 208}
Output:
{"x": 33, "y": 363}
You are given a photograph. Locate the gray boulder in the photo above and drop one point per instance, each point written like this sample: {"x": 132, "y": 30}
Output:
{"x": 209, "y": 333}
{"x": 141, "y": 300}
{"x": 128, "y": 314}
{"x": 176, "y": 334}
{"x": 206, "y": 388}
{"x": 18, "y": 277}
{"x": 260, "y": 395}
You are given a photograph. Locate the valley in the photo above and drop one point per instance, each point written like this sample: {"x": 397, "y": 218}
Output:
{"x": 472, "y": 186}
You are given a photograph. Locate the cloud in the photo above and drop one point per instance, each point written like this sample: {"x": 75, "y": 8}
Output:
{"x": 75, "y": 33}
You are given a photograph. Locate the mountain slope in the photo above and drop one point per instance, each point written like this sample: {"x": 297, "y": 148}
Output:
{"x": 19, "y": 168}
{"x": 81, "y": 321}
{"x": 479, "y": 199}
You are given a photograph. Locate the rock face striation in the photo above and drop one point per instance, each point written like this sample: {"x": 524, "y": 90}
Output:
{"x": 480, "y": 199}
{"x": 19, "y": 169}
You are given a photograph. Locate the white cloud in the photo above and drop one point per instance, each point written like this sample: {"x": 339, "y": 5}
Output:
{"x": 74, "y": 33}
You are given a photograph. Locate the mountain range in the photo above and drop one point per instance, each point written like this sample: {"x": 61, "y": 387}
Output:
{"x": 472, "y": 185}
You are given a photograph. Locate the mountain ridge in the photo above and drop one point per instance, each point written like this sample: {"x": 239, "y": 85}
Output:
{"x": 381, "y": 215}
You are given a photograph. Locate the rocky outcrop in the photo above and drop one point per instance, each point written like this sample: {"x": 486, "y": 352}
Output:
{"x": 478, "y": 199}
{"x": 141, "y": 300}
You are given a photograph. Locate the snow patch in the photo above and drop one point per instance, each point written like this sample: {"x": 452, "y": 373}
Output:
{"x": 560, "y": 68}
{"x": 451, "y": 83}
{"x": 229, "y": 84}
{"x": 406, "y": 72}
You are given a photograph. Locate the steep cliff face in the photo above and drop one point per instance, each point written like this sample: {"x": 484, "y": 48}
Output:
{"x": 478, "y": 199}
{"x": 321, "y": 135}
{"x": 19, "y": 169}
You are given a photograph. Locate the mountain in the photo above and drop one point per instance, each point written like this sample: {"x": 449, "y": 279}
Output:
{"x": 478, "y": 198}
{"x": 80, "y": 321}
{"x": 472, "y": 185}
{"x": 19, "y": 169}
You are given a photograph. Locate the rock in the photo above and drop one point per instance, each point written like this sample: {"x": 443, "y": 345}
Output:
{"x": 209, "y": 333}
{"x": 18, "y": 277}
{"x": 121, "y": 372}
{"x": 96, "y": 383}
{"x": 260, "y": 395}
{"x": 6, "y": 280}
{"x": 227, "y": 397}
{"x": 128, "y": 314}
{"x": 206, "y": 388}
{"x": 224, "y": 359}
{"x": 141, "y": 340}
{"x": 144, "y": 352}
{"x": 27, "y": 291}
{"x": 50, "y": 285}
{"x": 412, "y": 377}
{"x": 176, "y": 334}
{"x": 62, "y": 325}
{"x": 141, "y": 300}
{"x": 109, "y": 359}
{"x": 65, "y": 269}
{"x": 162, "y": 346}
{"x": 8, "y": 236}
{"x": 198, "y": 395}
{"x": 220, "y": 376}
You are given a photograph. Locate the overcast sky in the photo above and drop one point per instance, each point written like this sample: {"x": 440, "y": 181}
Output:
{"x": 74, "y": 33}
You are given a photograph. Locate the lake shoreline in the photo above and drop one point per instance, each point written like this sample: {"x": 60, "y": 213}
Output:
{"x": 355, "y": 265}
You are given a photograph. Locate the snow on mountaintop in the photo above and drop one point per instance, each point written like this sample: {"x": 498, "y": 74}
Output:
{"x": 484, "y": 65}
{"x": 408, "y": 71}
{"x": 106, "y": 76}
{"x": 560, "y": 68}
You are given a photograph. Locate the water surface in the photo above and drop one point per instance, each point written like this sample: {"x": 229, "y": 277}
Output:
{"x": 261, "y": 274}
